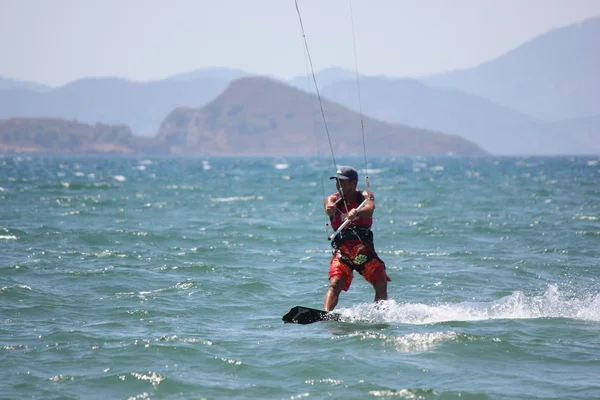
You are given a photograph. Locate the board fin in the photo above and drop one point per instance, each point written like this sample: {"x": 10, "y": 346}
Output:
{"x": 306, "y": 315}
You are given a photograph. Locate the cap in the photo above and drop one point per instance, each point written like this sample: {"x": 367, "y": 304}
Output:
{"x": 346, "y": 173}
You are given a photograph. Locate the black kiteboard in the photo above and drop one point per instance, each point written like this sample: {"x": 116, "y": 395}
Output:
{"x": 307, "y": 315}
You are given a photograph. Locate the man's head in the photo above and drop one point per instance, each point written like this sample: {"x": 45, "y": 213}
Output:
{"x": 346, "y": 180}
{"x": 346, "y": 173}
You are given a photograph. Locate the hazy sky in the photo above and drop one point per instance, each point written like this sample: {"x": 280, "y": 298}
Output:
{"x": 58, "y": 41}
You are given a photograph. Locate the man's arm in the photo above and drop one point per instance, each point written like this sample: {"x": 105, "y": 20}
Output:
{"x": 330, "y": 205}
{"x": 367, "y": 210}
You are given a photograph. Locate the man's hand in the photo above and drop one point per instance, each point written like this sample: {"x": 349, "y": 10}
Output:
{"x": 330, "y": 208}
{"x": 353, "y": 214}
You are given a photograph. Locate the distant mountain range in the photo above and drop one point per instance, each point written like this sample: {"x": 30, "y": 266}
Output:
{"x": 585, "y": 131}
{"x": 141, "y": 106}
{"x": 253, "y": 116}
{"x": 552, "y": 77}
{"x": 226, "y": 74}
{"x": 7, "y": 84}
{"x": 497, "y": 129}
{"x": 540, "y": 98}
{"x": 259, "y": 115}
{"x": 326, "y": 77}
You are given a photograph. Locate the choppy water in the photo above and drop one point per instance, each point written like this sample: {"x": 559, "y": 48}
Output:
{"x": 166, "y": 278}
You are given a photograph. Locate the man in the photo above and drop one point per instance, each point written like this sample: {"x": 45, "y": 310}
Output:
{"x": 353, "y": 246}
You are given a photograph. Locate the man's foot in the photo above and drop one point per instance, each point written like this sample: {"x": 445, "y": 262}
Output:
{"x": 382, "y": 305}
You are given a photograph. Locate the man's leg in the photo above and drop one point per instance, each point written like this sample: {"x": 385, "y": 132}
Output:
{"x": 374, "y": 273}
{"x": 336, "y": 284}
{"x": 380, "y": 289}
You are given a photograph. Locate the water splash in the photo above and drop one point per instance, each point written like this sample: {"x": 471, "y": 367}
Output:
{"x": 551, "y": 304}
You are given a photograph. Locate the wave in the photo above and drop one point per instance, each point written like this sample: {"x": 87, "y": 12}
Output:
{"x": 14, "y": 288}
{"x": 8, "y": 237}
{"x": 78, "y": 185}
{"x": 414, "y": 342}
{"x": 236, "y": 198}
{"x": 186, "y": 286}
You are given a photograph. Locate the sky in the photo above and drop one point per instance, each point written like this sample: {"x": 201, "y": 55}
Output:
{"x": 59, "y": 41}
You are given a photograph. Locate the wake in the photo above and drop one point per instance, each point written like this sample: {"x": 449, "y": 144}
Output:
{"x": 551, "y": 304}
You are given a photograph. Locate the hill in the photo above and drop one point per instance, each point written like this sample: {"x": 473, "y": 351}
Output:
{"x": 49, "y": 135}
{"x": 263, "y": 116}
{"x": 552, "y": 77}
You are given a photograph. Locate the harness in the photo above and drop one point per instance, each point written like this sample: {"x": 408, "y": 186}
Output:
{"x": 355, "y": 233}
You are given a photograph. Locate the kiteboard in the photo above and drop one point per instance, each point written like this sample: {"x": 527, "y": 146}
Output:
{"x": 306, "y": 315}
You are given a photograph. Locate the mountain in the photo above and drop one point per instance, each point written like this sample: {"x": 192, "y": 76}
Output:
{"x": 504, "y": 105}
{"x": 141, "y": 106}
{"x": 256, "y": 116}
{"x": 498, "y": 129}
{"x": 584, "y": 130}
{"x": 225, "y": 74}
{"x": 552, "y": 77}
{"x": 6, "y": 83}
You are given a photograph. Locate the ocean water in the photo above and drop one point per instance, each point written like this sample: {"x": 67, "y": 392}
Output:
{"x": 166, "y": 278}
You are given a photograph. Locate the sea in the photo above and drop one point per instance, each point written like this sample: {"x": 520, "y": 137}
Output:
{"x": 136, "y": 277}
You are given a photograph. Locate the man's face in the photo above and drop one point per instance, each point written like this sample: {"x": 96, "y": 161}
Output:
{"x": 345, "y": 186}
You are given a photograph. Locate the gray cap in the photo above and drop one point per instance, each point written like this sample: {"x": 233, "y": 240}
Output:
{"x": 346, "y": 173}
